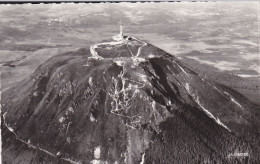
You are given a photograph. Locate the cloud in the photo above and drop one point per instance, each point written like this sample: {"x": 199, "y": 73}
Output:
{"x": 221, "y": 65}
{"x": 134, "y": 17}
{"x": 255, "y": 67}
{"x": 251, "y": 57}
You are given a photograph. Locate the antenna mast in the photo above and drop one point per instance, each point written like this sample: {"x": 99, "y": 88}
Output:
{"x": 121, "y": 28}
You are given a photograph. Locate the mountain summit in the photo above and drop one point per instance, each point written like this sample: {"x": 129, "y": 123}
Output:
{"x": 125, "y": 101}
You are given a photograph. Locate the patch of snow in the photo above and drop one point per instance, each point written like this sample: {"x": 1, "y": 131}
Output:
{"x": 153, "y": 105}
{"x": 68, "y": 139}
{"x": 183, "y": 70}
{"x": 152, "y": 92}
{"x": 98, "y": 162}
{"x": 71, "y": 109}
{"x": 10, "y": 129}
{"x": 97, "y": 152}
{"x": 233, "y": 100}
{"x": 35, "y": 94}
{"x": 187, "y": 87}
{"x": 215, "y": 88}
{"x": 95, "y": 161}
{"x": 246, "y": 76}
{"x": 142, "y": 77}
{"x": 68, "y": 127}
{"x": 125, "y": 155}
{"x": 169, "y": 102}
{"x": 119, "y": 62}
{"x": 92, "y": 118}
{"x": 142, "y": 162}
{"x": 58, "y": 153}
{"x": 90, "y": 81}
{"x": 151, "y": 56}
{"x": 211, "y": 115}
{"x": 61, "y": 119}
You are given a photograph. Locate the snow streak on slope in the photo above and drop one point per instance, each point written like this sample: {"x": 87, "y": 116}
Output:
{"x": 233, "y": 100}
{"x": 211, "y": 115}
{"x": 183, "y": 70}
{"x": 196, "y": 98}
{"x": 142, "y": 162}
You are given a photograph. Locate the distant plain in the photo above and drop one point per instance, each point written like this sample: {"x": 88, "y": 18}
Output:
{"x": 220, "y": 40}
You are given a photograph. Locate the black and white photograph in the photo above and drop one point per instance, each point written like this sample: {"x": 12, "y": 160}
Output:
{"x": 130, "y": 83}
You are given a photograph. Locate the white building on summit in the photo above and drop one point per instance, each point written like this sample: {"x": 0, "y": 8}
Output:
{"x": 119, "y": 37}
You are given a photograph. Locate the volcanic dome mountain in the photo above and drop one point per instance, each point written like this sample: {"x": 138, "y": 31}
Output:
{"x": 125, "y": 101}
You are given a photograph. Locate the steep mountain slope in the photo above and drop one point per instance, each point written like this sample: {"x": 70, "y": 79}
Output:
{"x": 127, "y": 101}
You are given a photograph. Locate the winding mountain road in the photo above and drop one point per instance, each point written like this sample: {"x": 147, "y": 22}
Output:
{"x": 119, "y": 42}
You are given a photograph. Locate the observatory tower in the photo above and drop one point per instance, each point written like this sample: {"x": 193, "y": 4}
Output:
{"x": 119, "y": 37}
